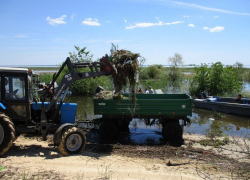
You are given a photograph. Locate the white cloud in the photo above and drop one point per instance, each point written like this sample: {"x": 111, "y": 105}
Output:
{"x": 186, "y": 16}
{"x": 143, "y": 25}
{"x": 125, "y": 20}
{"x": 90, "y": 22}
{"x": 204, "y": 7}
{"x": 215, "y": 29}
{"x": 216, "y": 16}
{"x": 191, "y": 25}
{"x": 56, "y": 20}
{"x": 73, "y": 15}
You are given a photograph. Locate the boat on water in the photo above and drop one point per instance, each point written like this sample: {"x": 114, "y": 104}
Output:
{"x": 226, "y": 105}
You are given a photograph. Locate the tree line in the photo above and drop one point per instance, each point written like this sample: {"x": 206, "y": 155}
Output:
{"x": 217, "y": 79}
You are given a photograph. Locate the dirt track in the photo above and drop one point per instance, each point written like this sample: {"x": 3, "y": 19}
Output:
{"x": 31, "y": 158}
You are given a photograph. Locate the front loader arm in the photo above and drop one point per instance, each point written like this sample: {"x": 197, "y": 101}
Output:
{"x": 97, "y": 69}
{"x": 68, "y": 79}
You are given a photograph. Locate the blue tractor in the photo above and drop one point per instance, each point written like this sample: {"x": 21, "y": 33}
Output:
{"x": 21, "y": 113}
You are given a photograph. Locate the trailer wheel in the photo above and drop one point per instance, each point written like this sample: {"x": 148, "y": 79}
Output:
{"x": 7, "y": 134}
{"x": 72, "y": 142}
{"x": 108, "y": 130}
{"x": 172, "y": 132}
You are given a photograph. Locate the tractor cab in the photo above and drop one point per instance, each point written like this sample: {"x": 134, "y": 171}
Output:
{"x": 16, "y": 94}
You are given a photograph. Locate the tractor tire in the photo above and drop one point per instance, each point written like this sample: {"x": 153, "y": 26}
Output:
{"x": 72, "y": 142}
{"x": 172, "y": 132}
{"x": 7, "y": 133}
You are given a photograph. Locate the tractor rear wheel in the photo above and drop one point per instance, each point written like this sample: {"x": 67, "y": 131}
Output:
{"x": 172, "y": 132}
{"x": 7, "y": 133}
{"x": 72, "y": 142}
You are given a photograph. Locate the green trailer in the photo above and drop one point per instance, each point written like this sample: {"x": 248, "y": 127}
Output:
{"x": 167, "y": 109}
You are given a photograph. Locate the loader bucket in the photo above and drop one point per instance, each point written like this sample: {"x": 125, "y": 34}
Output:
{"x": 106, "y": 66}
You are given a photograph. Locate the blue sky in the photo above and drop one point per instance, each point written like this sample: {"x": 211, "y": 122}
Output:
{"x": 43, "y": 32}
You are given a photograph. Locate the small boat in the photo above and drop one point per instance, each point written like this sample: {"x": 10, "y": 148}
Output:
{"x": 226, "y": 105}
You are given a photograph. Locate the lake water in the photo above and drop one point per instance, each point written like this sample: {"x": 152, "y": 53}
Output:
{"x": 202, "y": 121}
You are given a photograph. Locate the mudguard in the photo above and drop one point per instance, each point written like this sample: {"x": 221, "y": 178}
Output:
{"x": 58, "y": 133}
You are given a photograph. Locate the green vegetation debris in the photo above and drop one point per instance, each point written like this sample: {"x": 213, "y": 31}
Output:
{"x": 127, "y": 67}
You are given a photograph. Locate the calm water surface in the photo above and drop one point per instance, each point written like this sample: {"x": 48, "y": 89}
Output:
{"x": 201, "y": 121}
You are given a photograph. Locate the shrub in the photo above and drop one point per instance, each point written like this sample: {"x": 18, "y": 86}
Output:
{"x": 46, "y": 77}
{"x": 174, "y": 73}
{"x": 217, "y": 80}
{"x": 152, "y": 72}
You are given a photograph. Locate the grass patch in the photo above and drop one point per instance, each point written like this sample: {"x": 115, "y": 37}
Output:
{"x": 215, "y": 138}
{"x": 215, "y": 142}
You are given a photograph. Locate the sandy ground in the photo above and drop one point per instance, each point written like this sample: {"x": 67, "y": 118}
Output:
{"x": 32, "y": 158}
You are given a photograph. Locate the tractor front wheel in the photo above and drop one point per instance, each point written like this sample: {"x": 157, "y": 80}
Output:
{"x": 72, "y": 142}
{"x": 7, "y": 133}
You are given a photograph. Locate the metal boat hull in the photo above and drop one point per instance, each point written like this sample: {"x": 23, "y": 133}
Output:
{"x": 225, "y": 105}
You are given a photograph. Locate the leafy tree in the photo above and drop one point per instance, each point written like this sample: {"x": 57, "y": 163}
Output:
{"x": 240, "y": 69}
{"x": 217, "y": 80}
{"x": 152, "y": 72}
{"x": 232, "y": 82}
{"x": 81, "y": 56}
{"x": 216, "y": 84}
{"x": 142, "y": 60}
{"x": 200, "y": 81}
{"x": 155, "y": 71}
{"x": 154, "y": 76}
{"x": 238, "y": 65}
{"x": 143, "y": 73}
{"x": 176, "y": 60}
{"x": 174, "y": 73}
